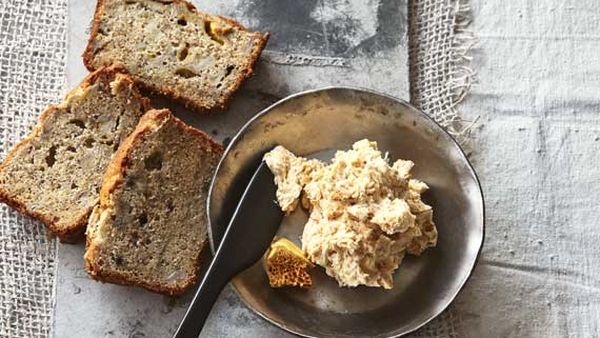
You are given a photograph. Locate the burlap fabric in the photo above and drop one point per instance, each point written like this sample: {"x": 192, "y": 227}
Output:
{"x": 439, "y": 46}
{"x": 32, "y": 70}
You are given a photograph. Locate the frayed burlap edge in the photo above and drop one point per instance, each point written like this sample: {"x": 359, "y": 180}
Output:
{"x": 440, "y": 44}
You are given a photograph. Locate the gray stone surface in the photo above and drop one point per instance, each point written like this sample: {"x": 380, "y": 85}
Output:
{"x": 313, "y": 44}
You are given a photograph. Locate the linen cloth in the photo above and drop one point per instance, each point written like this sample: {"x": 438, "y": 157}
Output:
{"x": 535, "y": 148}
{"x": 32, "y": 71}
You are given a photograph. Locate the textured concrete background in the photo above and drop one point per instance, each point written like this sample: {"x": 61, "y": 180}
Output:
{"x": 314, "y": 43}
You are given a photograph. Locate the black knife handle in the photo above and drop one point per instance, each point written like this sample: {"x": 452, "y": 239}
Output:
{"x": 212, "y": 284}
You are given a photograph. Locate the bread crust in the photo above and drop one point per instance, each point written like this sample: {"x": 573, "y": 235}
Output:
{"x": 74, "y": 232}
{"x": 114, "y": 178}
{"x": 88, "y": 56}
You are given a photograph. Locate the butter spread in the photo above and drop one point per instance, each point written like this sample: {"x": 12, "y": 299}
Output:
{"x": 365, "y": 214}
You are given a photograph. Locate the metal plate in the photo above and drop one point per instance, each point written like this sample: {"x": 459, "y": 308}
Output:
{"x": 314, "y": 123}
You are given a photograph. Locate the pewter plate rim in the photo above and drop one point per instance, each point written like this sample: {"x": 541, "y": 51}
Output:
{"x": 449, "y": 139}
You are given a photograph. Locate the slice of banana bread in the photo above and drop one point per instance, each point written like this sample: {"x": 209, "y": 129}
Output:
{"x": 55, "y": 173}
{"x": 173, "y": 49}
{"x": 150, "y": 225}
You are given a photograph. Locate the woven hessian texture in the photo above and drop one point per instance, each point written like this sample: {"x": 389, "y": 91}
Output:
{"x": 32, "y": 71}
{"x": 439, "y": 46}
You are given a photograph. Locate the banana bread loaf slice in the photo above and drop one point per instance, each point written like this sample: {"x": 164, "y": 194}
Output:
{"x": 171, "y": 48}
{"x": 150, "y": 225}
{"x": 54, "y": 174}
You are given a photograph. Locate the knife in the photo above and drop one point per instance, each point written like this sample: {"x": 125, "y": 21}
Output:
{"x": 247, "y": 237}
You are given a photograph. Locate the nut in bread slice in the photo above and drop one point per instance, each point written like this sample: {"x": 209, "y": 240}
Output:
{"x": 55, "y": 173}
{"x": 287, "y": 265}
{"x": 150, "y": 226}
{"x": 171, "y": 48}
